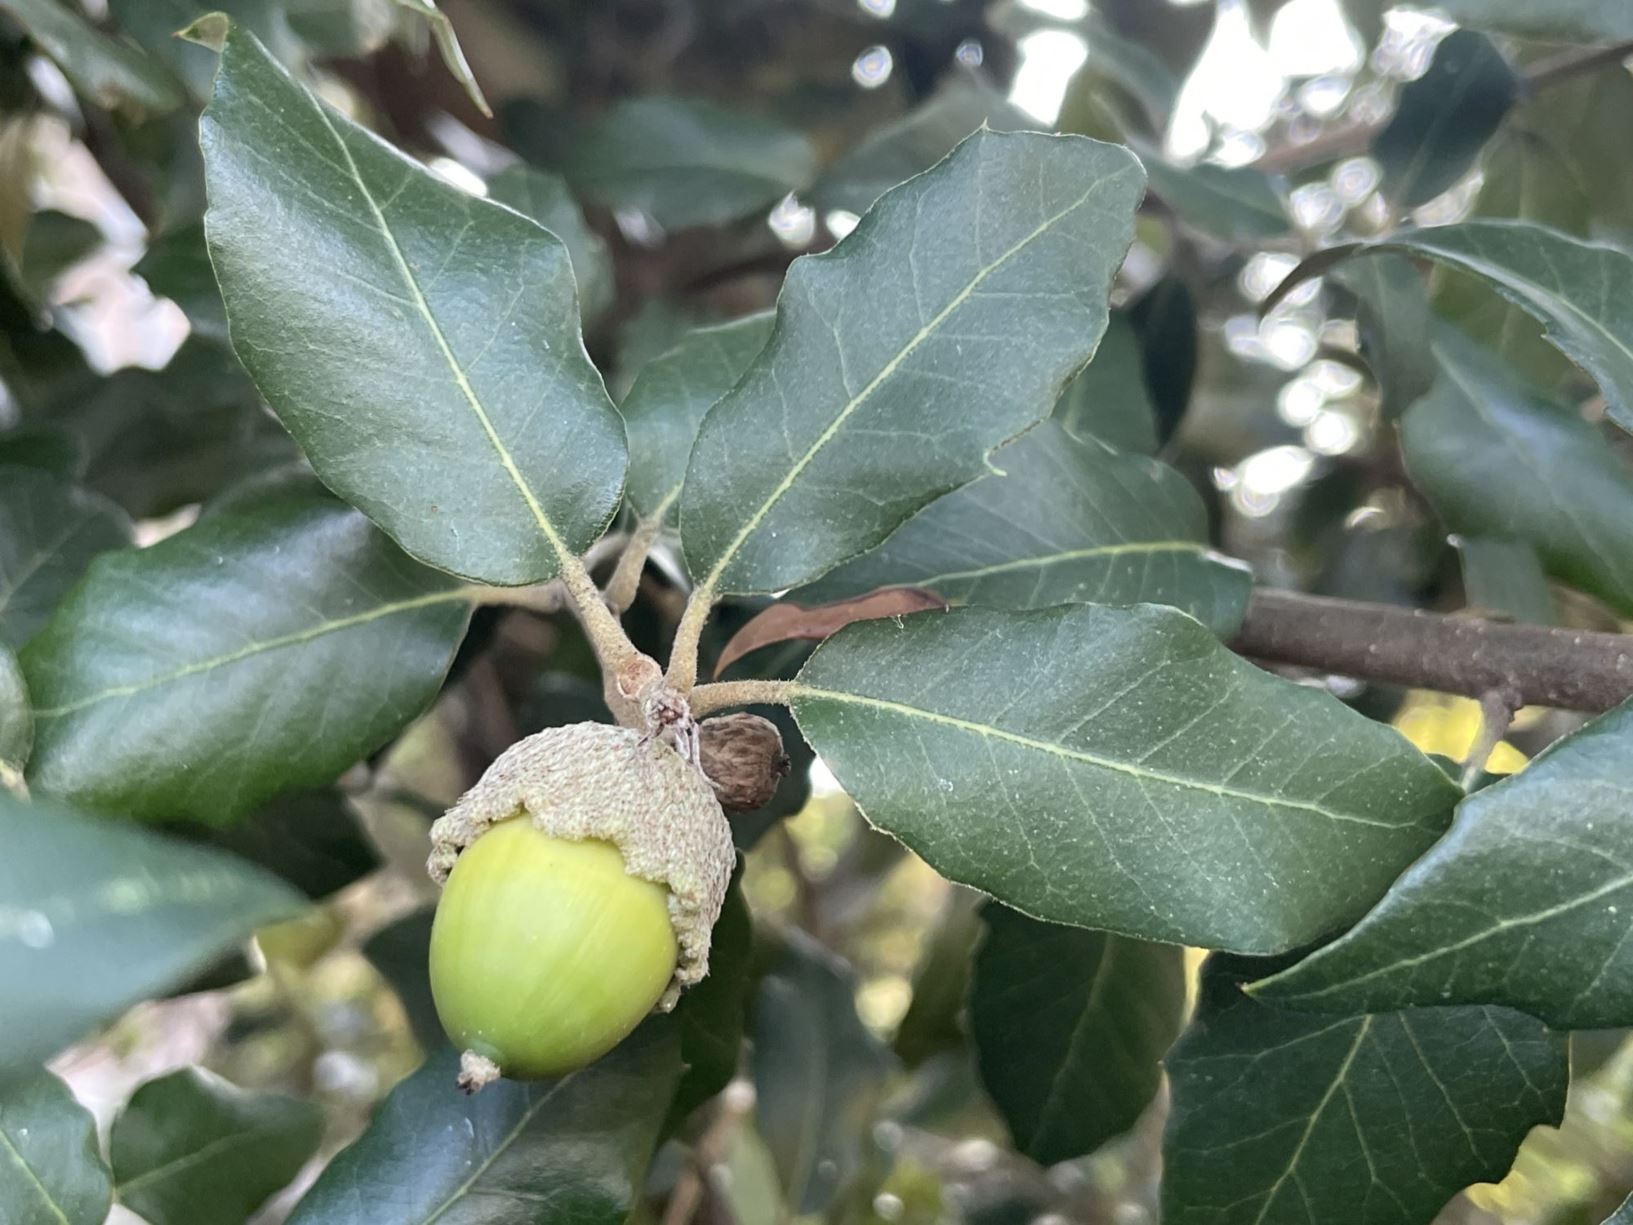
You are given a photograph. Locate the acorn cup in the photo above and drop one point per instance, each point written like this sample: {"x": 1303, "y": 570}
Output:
{"x": 583, "y": 875}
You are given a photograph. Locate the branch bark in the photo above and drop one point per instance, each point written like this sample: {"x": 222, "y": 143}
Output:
{"x": 1356, "y": 138}
{"x": 1543, "y": 666}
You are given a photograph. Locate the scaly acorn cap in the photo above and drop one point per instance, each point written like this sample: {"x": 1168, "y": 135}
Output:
{"x": 594, "y": 780}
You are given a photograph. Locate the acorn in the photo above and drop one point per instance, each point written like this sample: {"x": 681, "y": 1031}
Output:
{"x": 743, "y": 756}
{"x": 583, "y": 875}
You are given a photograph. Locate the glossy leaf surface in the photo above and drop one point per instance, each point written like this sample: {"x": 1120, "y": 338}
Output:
{"x": 905, "y": 354}
{"x": 1120, "y": 769}
{"x": 1285, "y": 1118}
{"x": 425, "y": 352}
{"x": 1525, "y": 902}
{"x": 1070, "y": 1027}
{"x": 190, "y": 1147}
{"x": 98, "y": 915}
{"x": 573, "y": 1149}
{"x": 1060, "y": 522}
{"x": 169, "y": 686}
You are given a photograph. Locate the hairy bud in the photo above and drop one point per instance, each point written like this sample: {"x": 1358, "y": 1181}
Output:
{"x": 742, "y": 755}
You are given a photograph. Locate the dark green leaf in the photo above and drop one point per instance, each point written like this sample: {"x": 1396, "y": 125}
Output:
{"x": 934, "y": 1021}
{"x": 1588, "y": 21}
{"x": 1120, "y": 769}
{"x": 342, "y": 28}
{"x": 573, "y": 1149}
{"x": 425, "y": 350}
{"x": 685, "y": 161}
{"x": 1444, "y": 118}
{"x": 1134, "y": 62}
{"x": 157, "y": 25}
{"x": 1525, "y": 902}
{"x": 897, "y": 151}
{"x": 106, "y": 70}
{"x": 45, "y": 447}
{"x": 901, "y": 357}
{"x": 1070, "y": 1027}
{"x": 99, "y": 915}
{"x": 399, "y": 952}
{"x": 312, "y": 839}
{"x": 818, "y": 1072}
{"x": 1286, "y": 1118}
{"x": 544, "y": 197}
{"x": 155, "y": 441}
{"x": 1564, "y": 491}
{"x": 1060, "y": 522}
{"x": 54, "y": 243}
{"x": 50, "y": 1170}
{"x": 177, "y": 266}
{"x": 189, "y": 1147}
{"x": 1505, "y": 577}
{"x": 1524, "y": 179}
{"x": 1392, "y": 318}
{"x": 1561, "y": 163}
{"x": 169, "y": 685}
{"x": 711, "y": 1015}
{"x": 1235, "y": 204}
{"x": 453, "y": 55}
{"x": 1581, "y": 292}
{"x": 49, "y": 532}
{"x": 1109, "y": 400}
{"x": 668, "y": 399}
{"x": 1580, "y": 119}
{"x": 1164, "y": 319}
{"x": 16, "y": 717}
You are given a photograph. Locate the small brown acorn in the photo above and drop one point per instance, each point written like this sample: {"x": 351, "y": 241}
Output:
{"x": 742, "y": 755}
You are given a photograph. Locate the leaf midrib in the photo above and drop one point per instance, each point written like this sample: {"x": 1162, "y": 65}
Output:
{"x": 194, "y": 1156}
{"x": 1315, "y": 1117}
{"x": 1059, "y": 1082}
{"x": 1495, "y": 929}
{"x": 15, "y": 583}
{"x": 1051, "y": 559}
{"x": 798, "y": 689}
{"x": 1520, "y": 287}
{"x": 527, "y": 1116}
{"x": 926, "y": 330}
{"x": 34, "y": 1178}
{"x": 257, "y": 648}
{"x": 557, "y": 544}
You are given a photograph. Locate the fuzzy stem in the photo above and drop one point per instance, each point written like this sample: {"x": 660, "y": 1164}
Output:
{"x": 682, "y": 674}
{"x": 612, "y": 645}
{"x": 626, "y": 576}
{"x": 720, "y": 694}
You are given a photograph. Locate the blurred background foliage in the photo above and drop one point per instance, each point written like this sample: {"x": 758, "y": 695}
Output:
{"x": 687, "y": 150}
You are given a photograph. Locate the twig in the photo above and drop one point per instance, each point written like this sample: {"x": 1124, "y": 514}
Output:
{"x": 682, "y": 674}
{"x": 735, "y": 1102}
{"x": 721, "y": 694}
{"x": 1497, "y": 708}
{"x": 1356, "y": 138}
{"x": 1537, "y": 664}
{"x": 626, "y": 576}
